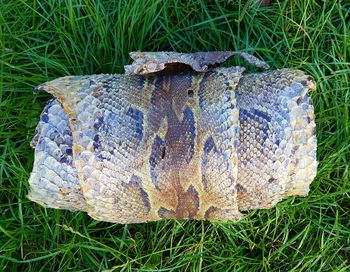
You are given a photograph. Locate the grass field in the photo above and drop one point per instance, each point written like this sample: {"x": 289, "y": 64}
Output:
{"x": 42, "y": 40}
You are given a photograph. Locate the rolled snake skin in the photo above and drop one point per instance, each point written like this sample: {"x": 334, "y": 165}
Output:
{"x": 156, "y": 144}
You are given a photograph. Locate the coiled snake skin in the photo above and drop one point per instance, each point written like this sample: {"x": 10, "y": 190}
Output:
{"x": 167, "y": 141}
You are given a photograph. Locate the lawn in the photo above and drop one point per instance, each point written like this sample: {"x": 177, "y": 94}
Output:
{"x": 42, "y": 40}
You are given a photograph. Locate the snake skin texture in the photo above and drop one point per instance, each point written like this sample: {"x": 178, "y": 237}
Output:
{"x": 186, "y": 145}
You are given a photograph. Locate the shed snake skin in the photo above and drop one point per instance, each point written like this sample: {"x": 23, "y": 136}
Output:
{"x": 175, "y": 137}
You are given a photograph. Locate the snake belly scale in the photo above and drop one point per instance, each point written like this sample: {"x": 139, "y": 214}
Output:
{"x": 194, "y": 145}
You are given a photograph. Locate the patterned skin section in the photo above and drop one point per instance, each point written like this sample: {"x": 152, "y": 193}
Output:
{"x": 277, "y": 141}
{"x": 187, "y": 145}
{"x": 54, "y": 181}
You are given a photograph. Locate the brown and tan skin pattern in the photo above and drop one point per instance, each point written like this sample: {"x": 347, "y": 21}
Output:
{"x": 174, "y": 145}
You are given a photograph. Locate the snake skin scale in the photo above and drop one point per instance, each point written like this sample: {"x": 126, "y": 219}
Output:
{"x": 186, "y": 145}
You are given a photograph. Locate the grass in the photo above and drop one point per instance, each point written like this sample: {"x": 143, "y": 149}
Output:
{"x": 42, "y": 40}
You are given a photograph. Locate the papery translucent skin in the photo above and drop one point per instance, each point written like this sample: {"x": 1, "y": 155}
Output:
{"x": 196, "y": 145}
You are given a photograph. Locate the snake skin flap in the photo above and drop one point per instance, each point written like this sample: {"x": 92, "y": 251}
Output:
{"x": 175, "y": 137}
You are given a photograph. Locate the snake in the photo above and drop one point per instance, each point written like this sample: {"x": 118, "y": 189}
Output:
{"x": 175, "y": 137}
